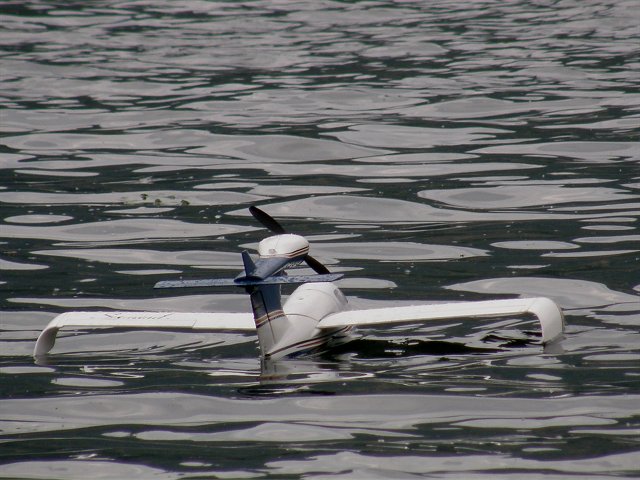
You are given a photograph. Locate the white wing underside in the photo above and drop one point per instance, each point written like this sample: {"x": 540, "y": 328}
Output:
{"x": 143, "y": 321}
{"x": 547, "y": 312}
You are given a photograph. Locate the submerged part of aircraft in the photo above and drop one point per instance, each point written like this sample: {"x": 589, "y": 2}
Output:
{"x": 314, "y": 318}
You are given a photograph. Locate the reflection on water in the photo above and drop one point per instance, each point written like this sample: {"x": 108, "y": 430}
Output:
{"x": 431, "y": 151}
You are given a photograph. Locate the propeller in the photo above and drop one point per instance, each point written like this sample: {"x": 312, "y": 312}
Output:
{"x": 267, "y": 220}
{"x": 272, "y": 224}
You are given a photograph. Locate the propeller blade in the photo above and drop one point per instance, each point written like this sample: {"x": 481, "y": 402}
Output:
{"x": 267, "y": 220}
{"x": 316, "y": 265}
{"x": 272, "y": 224}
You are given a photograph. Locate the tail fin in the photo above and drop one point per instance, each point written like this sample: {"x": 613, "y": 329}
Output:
{"x": 249, "y": 265}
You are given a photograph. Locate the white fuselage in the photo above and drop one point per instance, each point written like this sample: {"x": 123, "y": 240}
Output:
{"x": 292, "y": 329}
{"x": 303, "y": 310}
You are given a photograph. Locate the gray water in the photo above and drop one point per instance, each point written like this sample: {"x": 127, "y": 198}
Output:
{"x": 430, "y": 151}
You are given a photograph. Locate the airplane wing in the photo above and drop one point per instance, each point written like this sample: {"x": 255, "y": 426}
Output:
{"x": 546, "y": 310}
{"x": 144, "y": 321}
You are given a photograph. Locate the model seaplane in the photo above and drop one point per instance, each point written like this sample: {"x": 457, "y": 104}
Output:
{"x": 314, "y": 318}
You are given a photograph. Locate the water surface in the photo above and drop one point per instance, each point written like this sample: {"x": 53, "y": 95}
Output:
{"x": 430, "y": 151}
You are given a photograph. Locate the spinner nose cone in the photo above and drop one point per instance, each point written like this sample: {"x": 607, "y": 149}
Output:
{"x": 276, "y": 254}
{"x": 286, "y": 245}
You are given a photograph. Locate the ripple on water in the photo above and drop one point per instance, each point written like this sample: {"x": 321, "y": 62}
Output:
{"x": 511, "y": 197}
{"x": 125, "y": 229}
{"x": 367, "y": 209}
{"x": 76, "y": 469}
{"x": 394, "y": 251}
{"x": 394, "y": 136}
{"x": 366, "y": 172}
{"x": 383, "y": 412}
{"x": 9, "y": 265}
{"x": 131, "y": 256}
{"x": 584, "y": 151}
{"x": 535, "y": 245}
{"x": 250, "y": 147}
{"x": 28, "y": 219}
{"x": 569, "y": 293}
{"x": 452, "y": 466}
{"x": 140, "y": 197}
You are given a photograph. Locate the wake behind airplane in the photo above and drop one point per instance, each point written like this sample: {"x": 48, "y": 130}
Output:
{"x": 315, "y": 317}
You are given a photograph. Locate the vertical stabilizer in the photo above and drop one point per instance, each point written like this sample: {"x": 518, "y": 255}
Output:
{"x": 249, "y": 266}
{"x": 271, "y": 321}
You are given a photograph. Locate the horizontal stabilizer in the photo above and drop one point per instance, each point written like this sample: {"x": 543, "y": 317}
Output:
{"x": 546, "y": 310}
{"x": 248, "y": 282}
{"x": 142, "y": 321}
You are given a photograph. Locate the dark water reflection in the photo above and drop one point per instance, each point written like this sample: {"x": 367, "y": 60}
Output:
{"x": 430, "y": 151}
